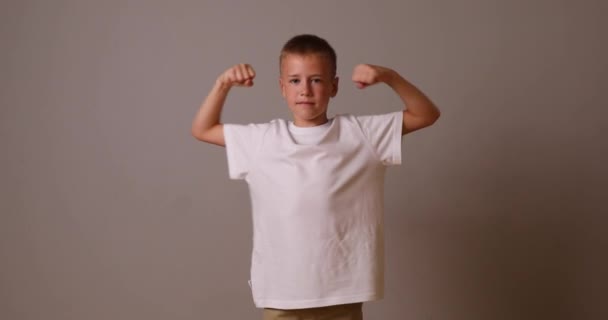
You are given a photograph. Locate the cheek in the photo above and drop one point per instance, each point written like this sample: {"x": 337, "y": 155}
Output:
{"x": 324, "y": 92}
{"x": 287, "y": 93}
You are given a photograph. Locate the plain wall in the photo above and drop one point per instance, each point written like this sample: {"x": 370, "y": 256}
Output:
{"x": 111, "y": 210}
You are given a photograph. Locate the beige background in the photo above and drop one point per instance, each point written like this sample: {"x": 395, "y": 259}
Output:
{"x": 111, "y": 210}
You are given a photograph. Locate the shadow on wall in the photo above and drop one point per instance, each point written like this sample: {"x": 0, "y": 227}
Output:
{"x": 509, "y": 237}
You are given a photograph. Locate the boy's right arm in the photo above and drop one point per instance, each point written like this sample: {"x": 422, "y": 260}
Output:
{"x": 206, "y": 125}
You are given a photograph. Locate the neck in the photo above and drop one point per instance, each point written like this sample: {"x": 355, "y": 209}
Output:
{"x": 320, "y": 120}
{"x": 310, "y": 123}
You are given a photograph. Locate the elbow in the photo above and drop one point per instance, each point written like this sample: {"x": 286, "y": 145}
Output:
{"x": 434, "y": 116}
{"x": 198, "y": 135}
{"x": 213, "y": 135}
{"x": 430, "y": 118}
{"x": 413, "y": 122}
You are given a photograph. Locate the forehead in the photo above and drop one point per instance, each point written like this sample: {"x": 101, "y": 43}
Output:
{"x": 293, "y": 63}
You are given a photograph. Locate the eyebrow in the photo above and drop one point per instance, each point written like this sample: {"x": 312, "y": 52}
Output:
{"x": 297, "y": 75}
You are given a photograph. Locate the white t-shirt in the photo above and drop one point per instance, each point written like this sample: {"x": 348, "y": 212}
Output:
{"x": 317, "y": 207}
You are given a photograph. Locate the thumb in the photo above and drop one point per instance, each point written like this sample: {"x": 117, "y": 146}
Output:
{"x": 360, "y": 85}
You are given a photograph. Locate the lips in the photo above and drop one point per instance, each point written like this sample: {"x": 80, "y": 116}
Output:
{"x": 306, "y": 103}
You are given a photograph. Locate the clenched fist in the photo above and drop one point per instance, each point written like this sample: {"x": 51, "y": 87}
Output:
{"x": 238, "y": 75}
{"x": 365, "y": 75}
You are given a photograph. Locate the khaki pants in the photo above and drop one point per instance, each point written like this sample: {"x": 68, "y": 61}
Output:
{"x": 351, "y": 311}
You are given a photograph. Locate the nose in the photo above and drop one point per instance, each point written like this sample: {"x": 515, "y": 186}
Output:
{"x": 306, "y": 88}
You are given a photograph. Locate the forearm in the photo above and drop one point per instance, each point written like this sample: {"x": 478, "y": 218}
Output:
{"x": 415, "y": 101}
{"x": 418, "y": 112}
{"x": 206, "y": 125}
{"x": 209, "y": 114}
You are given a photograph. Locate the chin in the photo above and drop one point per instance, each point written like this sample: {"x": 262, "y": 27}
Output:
{"x": 309, "y": 117}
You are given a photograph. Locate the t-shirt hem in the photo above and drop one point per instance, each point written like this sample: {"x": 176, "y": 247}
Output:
{"x": 314, "y": 303}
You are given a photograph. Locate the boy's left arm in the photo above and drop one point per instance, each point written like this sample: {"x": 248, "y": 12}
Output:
{"x": 419, "y": 111}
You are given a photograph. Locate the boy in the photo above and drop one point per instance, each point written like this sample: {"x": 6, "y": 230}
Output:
{"x": 316, "y": 183}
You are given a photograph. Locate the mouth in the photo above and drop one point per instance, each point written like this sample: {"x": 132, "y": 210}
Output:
{"x": 305, "y": 103}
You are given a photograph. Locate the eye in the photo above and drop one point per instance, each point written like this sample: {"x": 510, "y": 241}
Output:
{"x": 294, "y": 81}
{"x": 316, "y": 80}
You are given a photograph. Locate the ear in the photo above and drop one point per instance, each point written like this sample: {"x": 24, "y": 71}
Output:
{"x": 335, "y": 87}
{"x": 282, "y": 87}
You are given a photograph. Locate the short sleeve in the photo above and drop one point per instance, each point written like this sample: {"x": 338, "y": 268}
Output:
{"x": 242, "y": 144}
{"x": 383, "y": 132}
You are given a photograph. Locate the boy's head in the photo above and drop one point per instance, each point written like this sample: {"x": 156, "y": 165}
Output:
{"x": 308, "y": 44}
{"x": 308, "y": 78}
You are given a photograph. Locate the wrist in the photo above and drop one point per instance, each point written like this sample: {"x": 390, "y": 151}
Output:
{"x": 222, "y": 85}
{"x": 389, "y": 76}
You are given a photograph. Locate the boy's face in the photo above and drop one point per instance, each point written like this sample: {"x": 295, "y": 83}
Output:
{"x": 307, "y": 85}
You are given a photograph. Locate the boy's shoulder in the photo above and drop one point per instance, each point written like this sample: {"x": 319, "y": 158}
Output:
{"x": 342, "y": 118}
{"x": 371, "y": 118}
